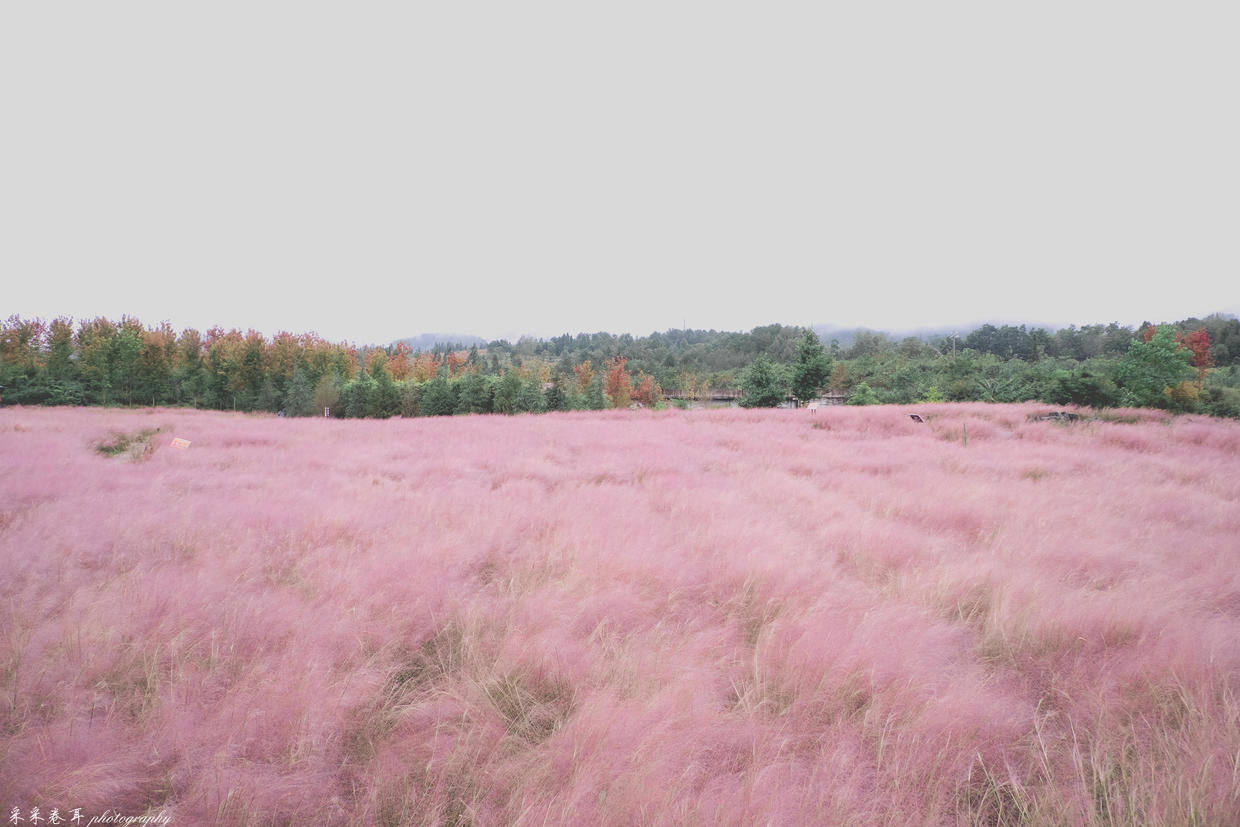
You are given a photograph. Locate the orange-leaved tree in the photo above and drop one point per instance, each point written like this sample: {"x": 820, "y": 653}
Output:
{"x": 455, "y": 361}
{"x": 647, "y": 391}
{"x": 617, "y": 383}
{"x": 398, "y": 361}
{"x": 585, "y": 374}
{"x": 424, "y": 367}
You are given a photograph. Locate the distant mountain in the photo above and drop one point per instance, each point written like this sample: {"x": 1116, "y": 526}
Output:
{"x": 428, "y": 341}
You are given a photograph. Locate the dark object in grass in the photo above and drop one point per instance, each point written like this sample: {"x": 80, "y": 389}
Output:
{"x": 1057, "y": 416}
{"x": 138, "y": 445}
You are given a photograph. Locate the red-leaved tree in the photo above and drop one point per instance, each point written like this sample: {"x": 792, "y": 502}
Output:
{"x": 1199, "y": 343}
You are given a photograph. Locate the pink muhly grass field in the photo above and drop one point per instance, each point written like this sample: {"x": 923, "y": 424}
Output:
{"x": 727, "y": 617}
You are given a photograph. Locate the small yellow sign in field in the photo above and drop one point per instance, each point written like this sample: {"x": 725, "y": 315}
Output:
{"x": 177, "y": 442}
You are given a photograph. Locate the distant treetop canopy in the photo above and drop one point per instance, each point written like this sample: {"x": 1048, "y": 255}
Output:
{"x": 1191, "y": 367}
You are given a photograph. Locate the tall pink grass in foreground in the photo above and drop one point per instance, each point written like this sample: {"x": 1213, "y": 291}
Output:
{"x": 623, "y": 618}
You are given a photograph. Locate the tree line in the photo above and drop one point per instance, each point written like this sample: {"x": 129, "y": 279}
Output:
{"x": 1190, "y": 365}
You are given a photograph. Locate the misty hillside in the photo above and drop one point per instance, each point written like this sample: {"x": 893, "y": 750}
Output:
{"x": 844, "y": 335}
{"x": 428, "y": 341}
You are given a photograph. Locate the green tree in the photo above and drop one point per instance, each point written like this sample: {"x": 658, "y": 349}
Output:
{"x": 868, "y": 343}
{"x": 21, "y": 345}
{"x": 327, "y": 395}
{"x": 299, "y": 398}
{"x": 63, "y": 385}
{"x": 409, "y": 399}
{"x": 595, "y": 400}
{"x": 764, "y": 384}
{"x": 1151, "y": 367}
{"x": 268, "y": 399}
{"x": 60, "y": 350}
{"x": 222, "y": 368}
{"x": 556, "y": 399}
{"x": 436, "y": 397}
{"x": 474, "y": 393}
{"x": 507, "y": 393}
{"x": 1222, "y": 401}
{"x": 94, "y": 341}
{"x": 862, "y": 394}
{"x": 356, "y": 395}
{"x": 384, "y": 400}
{"x": 22, "y": 364}
{"x": 1081, "y": 387}
{"x": 530, "y": 399}
{"x": 190, "y": 373}
{"x": 1005, "y": 381}
{"x": 153, "y": 370}
{"x": 253, "y": 371}
{"x": 126, "y": 351}
{"x": 812, "y": 369}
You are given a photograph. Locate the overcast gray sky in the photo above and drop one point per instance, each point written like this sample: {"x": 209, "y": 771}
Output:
{"x": 370, "y": 171}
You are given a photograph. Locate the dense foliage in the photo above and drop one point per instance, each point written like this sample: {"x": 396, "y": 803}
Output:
{"x": 1190, "y": 365}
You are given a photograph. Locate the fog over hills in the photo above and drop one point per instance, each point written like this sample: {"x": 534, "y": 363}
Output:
{"x": 844, "y": 334}
{"x": 428, "y": 341}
